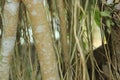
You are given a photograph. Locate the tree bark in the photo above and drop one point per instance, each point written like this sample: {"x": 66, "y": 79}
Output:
{"x": 63, "y": 30}
{"x": 10, "y": 17}
{"x": 43, "y": 39}
{"x": 113, "y": 39}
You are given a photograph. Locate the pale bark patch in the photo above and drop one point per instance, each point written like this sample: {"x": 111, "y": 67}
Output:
{"x": 34, "y": 13}
{"x": 5, "y": 60}
{"x": 43, "y": 50}
{"x": 50, "y": 69}
{"x": 29, "y": 5}
{"x": 40, "y": 29}
{"x": 36, "y": 1}
{"x": 109, "y": 1}
{"x": 12, "y": 7}
{"x": 7, "y": 45}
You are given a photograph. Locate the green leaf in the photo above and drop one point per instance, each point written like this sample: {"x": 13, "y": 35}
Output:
{"x": 108, "y": 23}
{"x": 112, "y": 23}
{"x": 109, "y": 30}
{"x": 105, "y": 14}
{"x": 97, "y": 17}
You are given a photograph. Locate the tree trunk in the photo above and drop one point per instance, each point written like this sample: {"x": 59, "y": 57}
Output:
{"x": 63, "y": 30}
{"x": 43, "y": 39}
{"x": 115, "y": 38}
{"x": 10, "y": 17}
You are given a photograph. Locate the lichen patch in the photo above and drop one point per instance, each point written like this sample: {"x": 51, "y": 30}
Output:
{"x": 33, "y": 13}
{"x": 36, "y": 1}
{"x": 11, "y": 0}
{"x": 40, "y": 29}
{"x": 5, "y": 59}
{"x": 29, "y": 5}
{"x": 43, "y": 50}
{"x": 7, "y": 45}
{"x": 12, "y": 7}
{"x": 109, "y": 1}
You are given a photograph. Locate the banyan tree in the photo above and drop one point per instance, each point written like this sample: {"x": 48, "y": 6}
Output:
{"x": 59, "y": 40}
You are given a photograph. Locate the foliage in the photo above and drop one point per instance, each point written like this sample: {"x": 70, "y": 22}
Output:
{"x": 81, "y": 17}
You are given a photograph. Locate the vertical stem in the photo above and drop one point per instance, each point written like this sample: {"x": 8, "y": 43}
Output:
{"x": 9, "y": 36}
{"x": 83, "y": 69}
{"x": 43, "y": 39}
{"x": 63, "y": 29}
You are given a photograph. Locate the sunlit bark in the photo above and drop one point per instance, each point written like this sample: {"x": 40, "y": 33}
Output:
{"x": 9, "y": 35}
{"x": 43, "y": 40}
